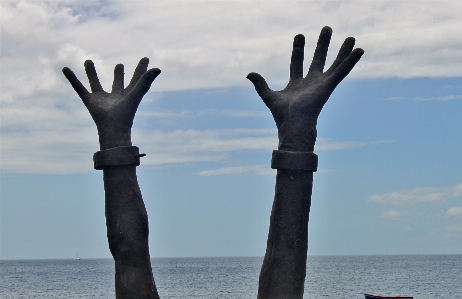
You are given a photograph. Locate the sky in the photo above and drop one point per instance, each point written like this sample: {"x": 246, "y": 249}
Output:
{"x": 390, "y": 153}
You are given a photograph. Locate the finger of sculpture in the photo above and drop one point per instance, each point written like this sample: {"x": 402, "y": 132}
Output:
{"x": 320, "y": 54}
{"x": 118, "y": 83}
{"x": 262, "y": 88}
{"x": 95, "y": 85}
{"x": 75, "y": 83}
{"x": 346, "y": 66}
{"x": 141, "y": 68}
{"x": 142, "y": 86}
{"x": 343, "y": 53}
{"x": 296, "y": 61}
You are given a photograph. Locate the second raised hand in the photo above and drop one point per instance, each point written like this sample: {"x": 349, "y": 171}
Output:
{"x": 296, "y": 108}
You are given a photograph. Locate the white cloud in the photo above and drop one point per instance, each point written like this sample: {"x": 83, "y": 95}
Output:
{"x": 394, "y": 98}
{"x": 454, "y": 228}
{"x": 408, "y": 228}
{"x": 392, "y": 215}
{"x": 47, "y": 139}
{"x": 442, "y": 98}
{"x": 61, "y": 151}
{"x": 324, "y": 144}
{"x": 244, "y": 113}
{"x": 197, "y": 45}
{"x": 168, "y": 114}
{"x": 236, "y": 37}
{"x": 249, "y": 169}
{"x": 181, "y": 146}
{"x": 329, "y": 171}
{"x": 54, "y": 140}
{"x": 238, "y": 170}
{"x": 67, "y": 149}
{"x": 417, "y": 195}
{"x": 454, "y": 211}
{"x": 329, "y": 144}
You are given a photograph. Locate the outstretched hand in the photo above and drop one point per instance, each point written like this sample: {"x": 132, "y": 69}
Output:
{"x": 296, "y": 108}
{"x": 114, "y": 112}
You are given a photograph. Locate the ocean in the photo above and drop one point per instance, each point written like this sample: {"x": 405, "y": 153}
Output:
{"x": 421, "y": 276}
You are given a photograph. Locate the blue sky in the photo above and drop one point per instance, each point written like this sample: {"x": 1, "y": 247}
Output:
{"x": 389, "y": 146}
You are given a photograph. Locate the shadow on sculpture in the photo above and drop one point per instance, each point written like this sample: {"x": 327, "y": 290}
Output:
{"x": 295, "y": 110}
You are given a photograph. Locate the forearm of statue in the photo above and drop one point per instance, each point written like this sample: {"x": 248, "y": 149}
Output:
{"x": 295, "y": 110}
{"x": 127, "y": 233}
{"x": 126, "y": 216}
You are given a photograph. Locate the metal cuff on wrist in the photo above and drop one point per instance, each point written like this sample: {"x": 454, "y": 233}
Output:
{"x": 294, "y": 160}
{"x": 117, "y": 156}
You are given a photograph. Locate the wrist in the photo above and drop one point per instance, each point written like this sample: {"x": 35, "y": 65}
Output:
{"x": 111, "y": 139}
{"x": 297, "y": 138}
{"x": 305, "y": 148}
{"x": 300, "y": 145}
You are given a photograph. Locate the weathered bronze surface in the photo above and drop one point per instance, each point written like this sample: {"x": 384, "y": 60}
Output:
{"x": 295, "y": 110}
{"x": 126, "y": 216}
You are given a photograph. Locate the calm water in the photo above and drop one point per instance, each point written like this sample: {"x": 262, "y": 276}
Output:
{"x": 421, "y": 276}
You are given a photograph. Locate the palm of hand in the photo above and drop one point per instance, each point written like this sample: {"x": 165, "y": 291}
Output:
{"x": 110, "y": 109}
{"x": 114, "y": 112}
{"x": 296, "y": 108}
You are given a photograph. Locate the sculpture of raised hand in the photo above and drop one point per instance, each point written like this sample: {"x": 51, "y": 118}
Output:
{"x": 126, "y": 216}
{"x": 295, "y": 110}
{"x": 114, "y": 112}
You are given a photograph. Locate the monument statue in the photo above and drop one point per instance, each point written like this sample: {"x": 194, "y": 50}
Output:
{"x": 295, "y": 110}
{"x": 126, "y": 216}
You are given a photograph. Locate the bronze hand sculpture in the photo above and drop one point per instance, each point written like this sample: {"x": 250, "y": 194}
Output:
{"x": 126, "y": 216}
{"x": 295, "y": 110}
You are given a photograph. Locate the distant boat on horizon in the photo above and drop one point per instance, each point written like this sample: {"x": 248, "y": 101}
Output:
{"x": 77, "y": 258}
